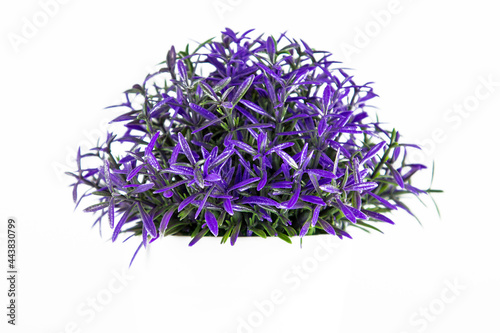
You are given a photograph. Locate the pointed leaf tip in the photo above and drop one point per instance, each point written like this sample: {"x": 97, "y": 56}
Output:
{"x": 212, "y": 223}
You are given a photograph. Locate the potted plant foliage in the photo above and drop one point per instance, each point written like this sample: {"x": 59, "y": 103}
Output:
{"x": 246, "y": 136}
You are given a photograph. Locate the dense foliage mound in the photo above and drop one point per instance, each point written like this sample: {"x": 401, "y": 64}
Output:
{"x": 274, "y": 140}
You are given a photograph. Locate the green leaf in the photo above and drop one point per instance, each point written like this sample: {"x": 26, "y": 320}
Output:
{"x": 96, "y": 207}
{"x": 284, "y": 237}
{"x": 174, "y": 228}
{"x": 195, "y": 231}
{"x": 222, "y": 84}
{"x": 102, "y": 193}
{"x": 369, "y": 226}
{"x": 226, "y": 235}
{"x": 185, "y": 212}
{"x": 290, "y": 231}
{"x": 259, "y": 232}
{"x": 270, "y": 230}
{"x": 359, "y": 227}
{"x": 346, "y": 176}
{"x": 242, "y": 90}
{"x": 203, "y": 44}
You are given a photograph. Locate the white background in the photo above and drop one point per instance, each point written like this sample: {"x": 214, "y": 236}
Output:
{"x": 427, "y": 59}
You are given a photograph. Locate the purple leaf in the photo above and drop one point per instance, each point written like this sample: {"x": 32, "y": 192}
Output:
{"x": 263, "y": 201}
{"x": 328, "y": 227}
{"x": 171, "y": 55}
{"x": 75, "y": 193}
{"x": 254, "y": 107}
{"x": 212, "y": 223}
{"x": 96, "y": 207}
{"x": 165, "y": 220}
{"x": 181, "y": 170}
{"x": 79, "y": 159}
{"x": 151, "y": 159}
{"x": 383, "y": 201}
{"x": 377, "y": 216}
{"x": 120, "y": 224}
{"x": 303, "y": 155}
{"x": 322, "y": 173}
{"x": 224, "y": 156}
{"x": 198, "y": 177}
{"x": 337, "y": 145}
{"x": 242, "y": 89}
{"x": 361, "y": 186}
{"x": 143, "y": 188}
{"x": 395, "y": 153}
{"x": 287, "y": 159}
{"x": 172, "y": 186}
{"x": 346, "y": 211}
{"x": 147, "y": 220}
{"x": 182, "y": 69}
{"x": 202, "y": 204}
{"x": 321, "y": 127}
{"x": 111, "y": 212}
{"x": 175, "y": 153}
{"x": 186, "y": 149}
{"x": 413, "y": 189}
{"x": 243, "y": 183}
{"x": 209, "y": 91}
{"x": 222, "y": 83}
{"x": 187, "y": 201}
{"x": 285, "y": 168}
{"x": 305, "y": 228}
{"x": 294, "y": 198}
{"x": 315, "y": 215}
{"x": 263, "y": 181}
{"x": 151, "y": 145}
{"x": 358, "y": 214}
{"x": 106, "y": 174}
{"x": 235, "y": 233}
{"x": 372, "y": 152}
{"x": 396, "y": 175}
{"x": 281, "y": 146}
{"x": 312, "y": 199}
{"x": 228, "y": 207}
{"x": 247, "y": 148}
{"x": 281, "y": 185}
{"x": 329, "y": 188}
{"x": 262, "y": 142}
{"x": 210, "y": 123}
{"x": 213, "y": 178}
{"x": 134, "y": 172}
{"x": 202, "y": 111}
{"x": 135, "y": 254}
{"x": 198, "y": 236}
{"x": 327, "y": 95}
{"x": 159, "y": 106}
{"x": 270, "y": 46}
{"x": 269, "y": 72}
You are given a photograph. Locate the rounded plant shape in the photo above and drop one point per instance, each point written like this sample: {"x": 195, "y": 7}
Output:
{"x": 275, "y": 140}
